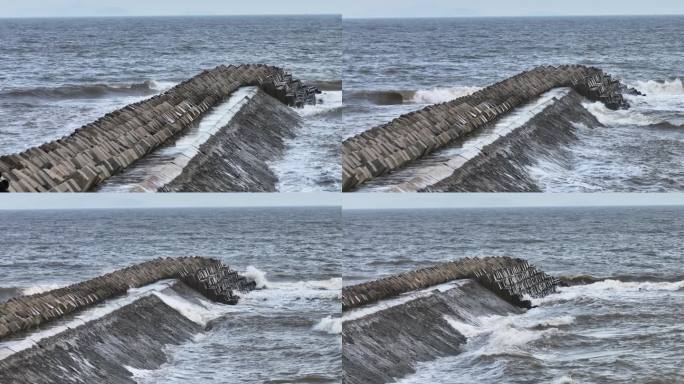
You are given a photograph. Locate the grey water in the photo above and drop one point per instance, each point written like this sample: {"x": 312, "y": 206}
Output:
{"x": 394, "y": 66}
{"x": 59, "y": 74}
{"x": 627, "y": 328}
{"x": 284, "y": 333}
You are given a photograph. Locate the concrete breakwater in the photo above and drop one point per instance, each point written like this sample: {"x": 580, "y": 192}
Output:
{"x": 391, "y": 324}
{"x": 391, "y": 146}
{"x": 510, "y": 277}
{"x": 207, "y": 276}
{"x": 237, "y": 157}
{"x": 106, "y": 349}
{"x": 504, "y": 165}
{"x": 95, "y": 152}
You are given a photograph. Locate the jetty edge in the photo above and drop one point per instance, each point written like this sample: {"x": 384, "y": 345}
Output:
{"x": 391, "y": 146}
{"x": 393, "y": 323}
{"x": 208, "y": 276}
{"x": 93, "y": 153}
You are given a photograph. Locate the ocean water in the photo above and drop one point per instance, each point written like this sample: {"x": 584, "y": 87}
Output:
{"x": 286, "y": 332}
{"x": 59, "y": 74}
{"x": 395, "y": 66}
{"x": 624, "y": 329}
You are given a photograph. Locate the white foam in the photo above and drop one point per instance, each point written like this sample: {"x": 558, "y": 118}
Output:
{"x": 441, "y": 94}
{"x": 199, "y": 313}
{"x": 39, "y": 289}
{"x": 565, "y": 379}
{"x": 492, "y": 335}
{"x": 329, "y": 324}
{"x": 364, "y": 311}
{"x": 327, "y": 101}
{"x": 620, "y": 117}
{"x": 139, "y": 373}
{"x": 162, "y": 86}
{"x": 283, "y": 294}
{"x": 607, "y": 289}
{"x": 650, "y": 87}
{"x": 257, "y": 275}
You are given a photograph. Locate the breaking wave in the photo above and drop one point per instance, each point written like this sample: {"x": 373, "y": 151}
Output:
{"x": 609, "y": 289}
{"x": 651, "y": 87}
{"x": 329, "y": 324}
{"x": 620, "y": 117}
{"x": 89, "y": 91}
{"x": 421, "y": 96}
{"x": 258, "y": 276}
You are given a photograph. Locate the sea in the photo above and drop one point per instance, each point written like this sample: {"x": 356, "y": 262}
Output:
{"x": 624, "y": 328}
{"x": 287, "y": 332}
{"x": 57, "y": 75}
{"x": 394, "y": 66}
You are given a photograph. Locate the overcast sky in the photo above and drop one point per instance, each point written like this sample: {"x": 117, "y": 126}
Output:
{"x": 166, "y": 200}
{"x": 349, "y": 200}
{"x": 493, "y": 200}
{"x": 349, "y": 8}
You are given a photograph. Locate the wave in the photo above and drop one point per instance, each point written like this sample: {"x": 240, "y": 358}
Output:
{"x": 329, "y": 324}
{"x": 89, "y": 91}
{"x": 620, "y": 117}
{"x": 441, "y": 94}
{"x": 611, "y": 289}
{"x": 328, "y": 103}
{"x": 652, "y": 87}
{"x": 421, "y": 96}
{"x": 497, "y": 335}
{"x": 258, "y": 276}
{"x": 326, "y": 85}
{"x": 589, "y": 279}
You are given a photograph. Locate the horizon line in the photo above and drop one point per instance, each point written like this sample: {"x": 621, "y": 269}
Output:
{"x": 514, "y": 207}
{"x": 342, "y": 16}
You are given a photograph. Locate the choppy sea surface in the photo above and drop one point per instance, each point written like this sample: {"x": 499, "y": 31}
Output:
{"x": 59, "y": 74}
{"x": 395, "y": 66}
{"x": 287, "y": 332}
{"x": 626, "y": 328}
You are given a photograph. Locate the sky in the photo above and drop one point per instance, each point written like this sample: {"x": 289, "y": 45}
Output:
{"x": 348, "y": 8}
{"x": 348, "y": 201}
{"x": 32, "y": 201}
{"x": 505, "y": 200}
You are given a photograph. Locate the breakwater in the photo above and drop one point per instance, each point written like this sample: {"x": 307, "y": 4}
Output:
{"x": 93, "y": 153}
{"x": 207, "y": 276}
{"x": 504, "y": 165}
{"x": 391, "y": 146}
{"x": 391, "y": 324}
{"x": 105, "y": 349}
{"x": 510, "y": 277}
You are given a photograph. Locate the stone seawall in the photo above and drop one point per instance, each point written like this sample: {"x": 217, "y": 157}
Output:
{"x": 429, "y": 313}
{"x": 388, "y": 344}
{"x": 94, "y": 152}
{"x": 208, "y": 276}
{"x": 391, "y": 146}
{"x": 503, "y": 166}
{"x": 135, "y": 335}
{"x": 510, "y": 278}
{"x": 236, "y": 158}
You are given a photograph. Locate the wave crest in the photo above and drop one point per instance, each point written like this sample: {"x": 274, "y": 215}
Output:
{"x": 421, "y": 96}
{"x": 89, "y": 91}
{"x": 329, "y": 324}
{"x": 652, "y": 87}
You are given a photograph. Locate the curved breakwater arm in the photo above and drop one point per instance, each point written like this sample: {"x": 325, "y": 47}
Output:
{"x": 207, "y": 276}
{"x": 391, "y": 324}
{"x": 393, "y": 145}
{"x": 93, "y": 153}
